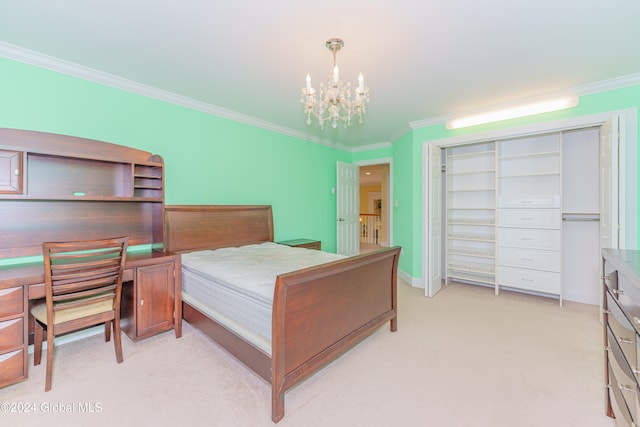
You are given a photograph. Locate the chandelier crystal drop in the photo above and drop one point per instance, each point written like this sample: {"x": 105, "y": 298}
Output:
{"x": 334, "y": 102}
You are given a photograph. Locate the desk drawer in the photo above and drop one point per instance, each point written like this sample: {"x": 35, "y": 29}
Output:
{"x": 11, "y": 301}
{"x": 12, "y": 367}
{"x": 11, "y": 333}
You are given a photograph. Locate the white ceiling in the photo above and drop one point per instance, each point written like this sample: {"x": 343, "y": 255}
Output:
{"x": 422, "y": 59}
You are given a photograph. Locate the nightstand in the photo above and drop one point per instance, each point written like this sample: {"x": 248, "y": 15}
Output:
{"x": 302, "y": 243}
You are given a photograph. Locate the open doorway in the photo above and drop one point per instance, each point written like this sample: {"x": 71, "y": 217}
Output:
{"x": 375, "y": 201}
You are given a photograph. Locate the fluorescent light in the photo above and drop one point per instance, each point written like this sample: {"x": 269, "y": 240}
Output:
{"x": 522, "y": 110}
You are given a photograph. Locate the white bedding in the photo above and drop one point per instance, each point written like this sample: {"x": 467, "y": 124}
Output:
{"x": 235, "y": 285}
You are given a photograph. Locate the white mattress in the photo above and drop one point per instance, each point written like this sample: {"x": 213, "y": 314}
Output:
{"x": 235, "y": 285}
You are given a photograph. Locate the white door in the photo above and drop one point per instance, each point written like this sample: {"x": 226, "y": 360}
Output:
{"x": 348, "y": 209}
{"x": 609, "y": 140}
{"x": 433, "y": 274}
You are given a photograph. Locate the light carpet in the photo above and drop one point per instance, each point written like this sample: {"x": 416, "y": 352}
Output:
{"x": 463, "y": 358}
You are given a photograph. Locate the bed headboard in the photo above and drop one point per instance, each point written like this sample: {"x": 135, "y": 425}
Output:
{"x": 195, "y": 227}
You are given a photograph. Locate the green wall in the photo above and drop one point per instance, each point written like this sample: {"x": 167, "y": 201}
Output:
{"x": 208, "y": 159}
{"x": 212, "y": 160}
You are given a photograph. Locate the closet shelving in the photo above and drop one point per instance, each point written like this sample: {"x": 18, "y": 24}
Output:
{"x": 529, "y": 172}
{"x": 529, "y": 213}
{"x": 471, "y": 219}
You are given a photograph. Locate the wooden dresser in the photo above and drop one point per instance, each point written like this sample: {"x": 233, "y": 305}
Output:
{"x": 621, "y": 302}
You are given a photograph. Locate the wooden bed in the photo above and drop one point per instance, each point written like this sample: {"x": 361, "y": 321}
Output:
{"x": 318, "y": 312}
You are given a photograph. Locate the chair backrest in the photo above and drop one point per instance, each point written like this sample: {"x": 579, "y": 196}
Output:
{"x": 80, "y": 273}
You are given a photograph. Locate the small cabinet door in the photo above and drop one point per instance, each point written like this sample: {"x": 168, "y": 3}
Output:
{"x": 155, "y": 286}
{"x": 11, "y": 174}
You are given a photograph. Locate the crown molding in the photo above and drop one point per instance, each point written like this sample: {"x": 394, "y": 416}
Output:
{"x": 58, "y": 65}
{"x": 369, "y": 147}
{"x": 40, "y": 60}
{"x": 605, "y": 85}
{"x": 431, "y": 121}
{"x": 582, "y": 90}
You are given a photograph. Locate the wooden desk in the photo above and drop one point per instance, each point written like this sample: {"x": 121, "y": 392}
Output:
{"x": 151, "y": 303}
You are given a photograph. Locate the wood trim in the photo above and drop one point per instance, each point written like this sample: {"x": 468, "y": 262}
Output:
{"x": 78, "y": 189}
{"x": 72, "y": 146}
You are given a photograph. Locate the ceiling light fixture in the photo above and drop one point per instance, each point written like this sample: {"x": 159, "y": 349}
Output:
{"x": 521, "y": 110}
{"x": 334, "y": 102}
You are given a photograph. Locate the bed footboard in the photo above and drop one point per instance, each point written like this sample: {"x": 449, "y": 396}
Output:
{"x": 323, "y": 311}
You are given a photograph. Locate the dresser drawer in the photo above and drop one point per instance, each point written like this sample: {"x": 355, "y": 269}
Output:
{"x": 610, "y": 278}
{"x": 622, "y": 413}
{"x": 12, "y": 367}
{"x": 11, "y": 333}
{"x": 529, "y": 202}
{"x": 622, "y": 329}
{"x": 11, "y": 301}
{"x": 532, "y": 239}
{"x": 530, "y": 258}
{"x": 534, "y": 280}
{"x": 624, "y": 377}
{"x": 533, "y": 218}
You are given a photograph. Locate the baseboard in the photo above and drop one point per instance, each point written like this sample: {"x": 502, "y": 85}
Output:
{"x": 568, "y": 296}
{"x": 414, "y": 282}
{"x": 75, "y": 336}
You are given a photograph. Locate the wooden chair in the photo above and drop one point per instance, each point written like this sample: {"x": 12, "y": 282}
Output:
{"x": 83, "y": 285}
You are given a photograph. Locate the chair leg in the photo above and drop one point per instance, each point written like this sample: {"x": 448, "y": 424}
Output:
{"x": 50, "y": 337}
{"x": 107, "y": 331}
{"x": 116, "y": 339}
{"x": 37, "y": 343}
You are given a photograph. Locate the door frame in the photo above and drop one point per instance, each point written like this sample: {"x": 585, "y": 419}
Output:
{"x": 391, "y": 204}
{"x": 627, "y": 166}
{"x": 433, "y": 220}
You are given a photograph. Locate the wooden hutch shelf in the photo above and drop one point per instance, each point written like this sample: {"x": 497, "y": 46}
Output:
{"x": 61, "y": 188}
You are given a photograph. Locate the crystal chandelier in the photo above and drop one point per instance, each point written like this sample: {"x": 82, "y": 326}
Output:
{"x": 334, "y": 102}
